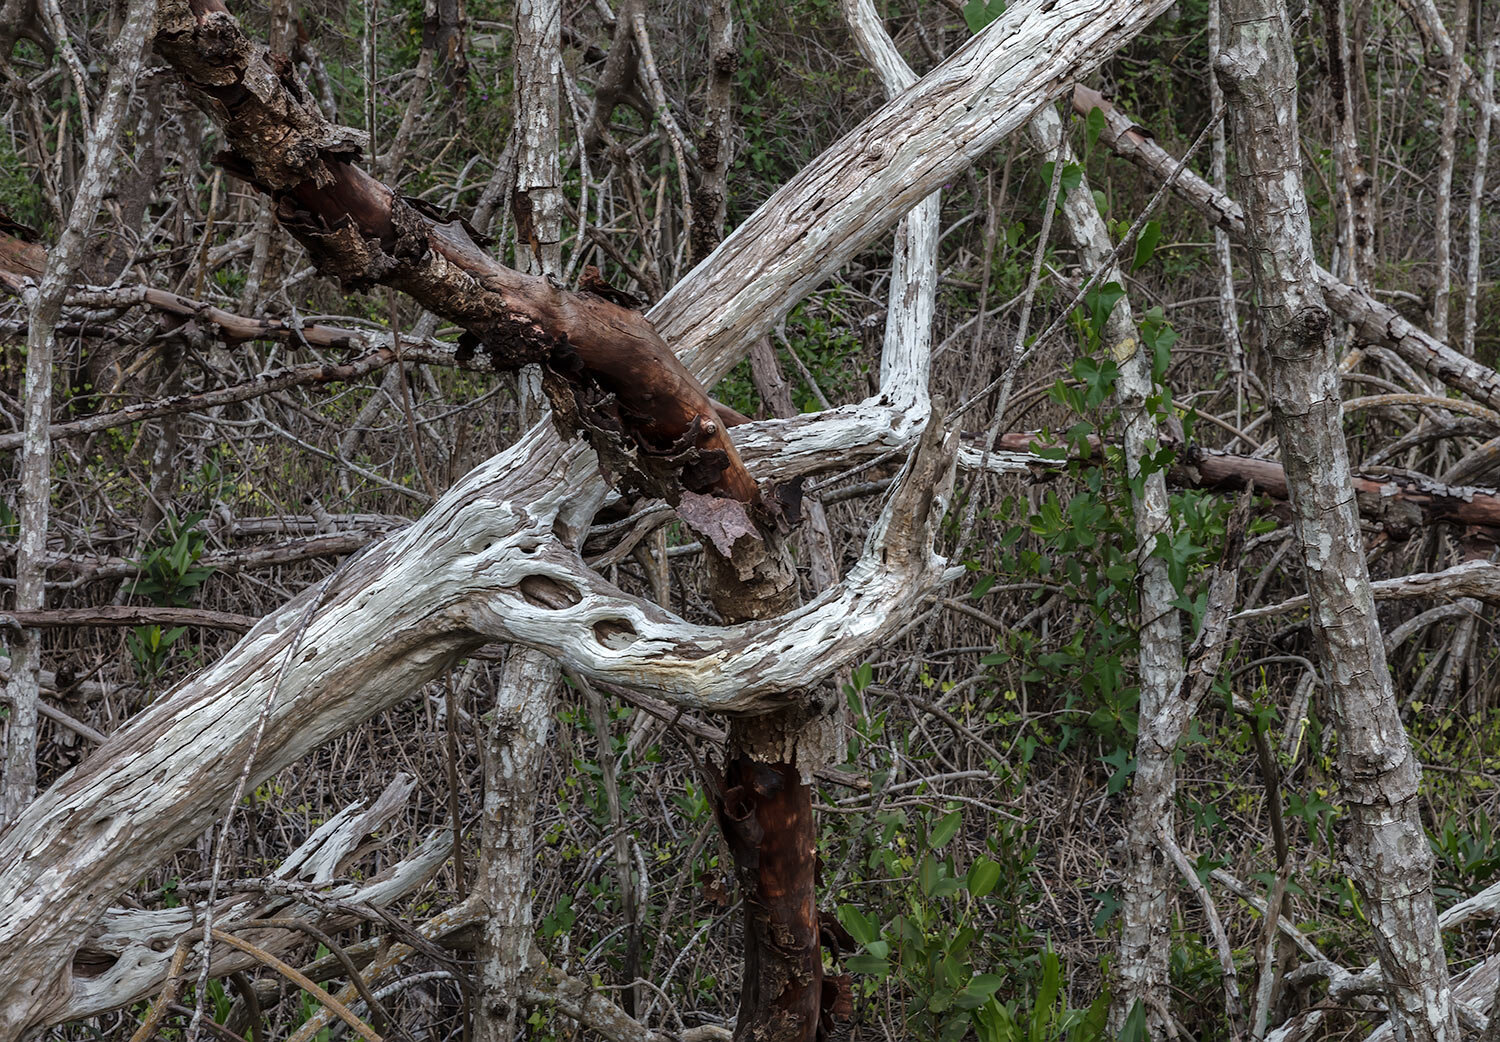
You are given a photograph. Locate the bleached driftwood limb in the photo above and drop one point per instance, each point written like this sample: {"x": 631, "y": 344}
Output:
{"x": 879, "y": 171}
{"x": 910, "y": 303}
{"x": 125, "y": 957}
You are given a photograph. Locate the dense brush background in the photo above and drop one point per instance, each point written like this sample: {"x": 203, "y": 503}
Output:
{"x": 999, "y": 726}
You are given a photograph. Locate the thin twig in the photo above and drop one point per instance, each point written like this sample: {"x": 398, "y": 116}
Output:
{"x": 239, "y": 792}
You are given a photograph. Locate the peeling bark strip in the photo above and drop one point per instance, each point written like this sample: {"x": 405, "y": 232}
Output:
{"x": 615, "y": 380}
{"x": 1385, "y": 844}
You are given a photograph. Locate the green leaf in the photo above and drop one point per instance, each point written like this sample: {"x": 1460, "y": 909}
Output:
{"x": 1095, "y": 125}
{"x": 945, "y": 830}
{"x": 978, "y": 991}
{"x": 868, "y": 964}
{"x": 1134, "y": 1028}
{"x": 954, "y": 1029}
{"x": 927, "y": 875}
{"x": 994, "y": 1023}
{"x": 1101, "y": 300}
{"x": 861, "y": 928}
{"x": 978, "y": 13}
{"x": 1145, "y": 245}
{"x": 984, "y": 876}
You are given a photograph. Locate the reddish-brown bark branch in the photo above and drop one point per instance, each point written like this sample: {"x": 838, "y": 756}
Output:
{"x": 16, "y": 265}
{"x": 18, "y": 249}
{"x": 614, "y": 379}
{"x": 1403, "y": 504}
{"x": 129, "y": 615}
{"x": 765, "y": 812}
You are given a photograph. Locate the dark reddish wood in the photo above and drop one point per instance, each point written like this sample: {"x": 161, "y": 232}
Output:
{"x": 766, "y": 815}
{"x": 1403, "y": 504}
{"x": 19, "y": 253}
{"x": 615, "y": 380}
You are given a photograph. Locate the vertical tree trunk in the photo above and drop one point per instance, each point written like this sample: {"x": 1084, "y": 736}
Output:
{"x": 1442, "y": 280}
{"x": 1384, "y": 842}
{"x": 1141, "y": 968}
{"x": 764, "y": 807}
{"x": 537, "y": 201}
{"x": 711, "y": 197}
{"x": 911, "y": 303}
{"x": 1355, "y": 185}
{"x": 765, "y": 810}
{"x": 524, "y": 703}
{"x": 44, "y": 305}
{"x": 515, "y": 748}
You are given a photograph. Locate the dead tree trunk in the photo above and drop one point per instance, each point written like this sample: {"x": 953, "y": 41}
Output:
{"x": 515, "y": 746}
{"x": 1385, "y": 844}
{"x": 1142, "y": 965}
{"x": 526, "y": 696}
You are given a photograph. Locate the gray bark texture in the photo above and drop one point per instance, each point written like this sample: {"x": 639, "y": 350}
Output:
{"x": 1384, "y": 842}
{"x": 18, "y": 761}
{"x": 515, "y": 749}
{"x": 1142, "y": 971}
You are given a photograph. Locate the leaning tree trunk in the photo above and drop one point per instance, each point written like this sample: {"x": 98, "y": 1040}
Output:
{"x": 1384, "y": 842}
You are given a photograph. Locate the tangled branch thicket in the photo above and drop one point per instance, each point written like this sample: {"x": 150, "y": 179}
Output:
{"x": 228, "y": 426}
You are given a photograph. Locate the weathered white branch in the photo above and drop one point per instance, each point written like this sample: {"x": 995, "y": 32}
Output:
{"x": 1477, "y": 579}
{"x": 911, "y": 299}
{"x": 134, "y": 946}
{"x": 815, "y": 442}
{"x": 529, "y": 589}
{"x": 879, "y": 171}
